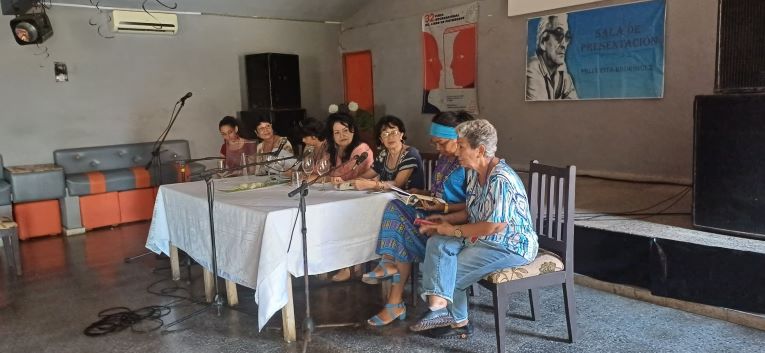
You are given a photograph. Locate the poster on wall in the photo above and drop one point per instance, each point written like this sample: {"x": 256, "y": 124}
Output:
{"x": 614, "y": 52}
{"x": 449, "y": 57}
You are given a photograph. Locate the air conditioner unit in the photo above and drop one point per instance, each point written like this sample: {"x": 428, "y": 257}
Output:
{"x": 143, "y": 22}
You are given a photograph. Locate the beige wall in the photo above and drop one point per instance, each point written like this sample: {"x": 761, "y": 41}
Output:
{"x": 122, "y": 90}
{"x": 632, "y": 139}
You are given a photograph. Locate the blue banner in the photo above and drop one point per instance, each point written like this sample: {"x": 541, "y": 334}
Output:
{"x": 614, "y": 52}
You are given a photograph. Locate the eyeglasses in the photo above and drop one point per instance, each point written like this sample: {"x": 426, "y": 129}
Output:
{"x": 264, "y": 127}
{"x": 560, "y": 35}
{"x": 385, "y": 134}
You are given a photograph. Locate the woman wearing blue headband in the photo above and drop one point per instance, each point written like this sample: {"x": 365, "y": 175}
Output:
{"x": 399, "y": 241}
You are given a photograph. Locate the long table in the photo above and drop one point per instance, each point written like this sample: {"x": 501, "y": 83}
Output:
{"x": 253, "y": 231}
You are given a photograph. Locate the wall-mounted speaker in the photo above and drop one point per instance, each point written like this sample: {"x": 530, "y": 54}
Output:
{"x": 273, "y": 81}
{"x": 740, "y": 53}
{"x": 728, "y": 168}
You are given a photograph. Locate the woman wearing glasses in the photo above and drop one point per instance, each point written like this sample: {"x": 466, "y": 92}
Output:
{"x": 399, "y": 241}
{"x": 272, "y": 143}
{"x": 397, "y": 164}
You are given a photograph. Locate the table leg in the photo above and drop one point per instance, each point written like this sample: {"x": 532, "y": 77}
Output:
{"x": 16, "y": 251}
{"x": 175, "y": 266}
{"x": 208, "y": 279}
{"x": 288, "y": 315}
{"x": 231, "y": 294}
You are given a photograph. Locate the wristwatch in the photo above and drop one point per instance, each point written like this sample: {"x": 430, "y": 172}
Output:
{"x": 458, "y": 232}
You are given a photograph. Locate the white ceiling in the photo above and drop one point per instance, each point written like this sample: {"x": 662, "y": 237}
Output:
{"x": 305, "y": 10}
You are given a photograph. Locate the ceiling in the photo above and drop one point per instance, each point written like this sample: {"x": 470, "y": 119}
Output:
{"x": 304, "y": 10}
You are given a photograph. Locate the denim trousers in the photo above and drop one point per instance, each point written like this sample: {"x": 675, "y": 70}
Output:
{"x": 451, "y": 266}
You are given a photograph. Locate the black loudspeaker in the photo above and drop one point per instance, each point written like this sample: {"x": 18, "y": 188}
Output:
{"x": 740, "y": 53}
{"x": 729, "y": 164}
{"x": 284, "y": 121}
{"x": 273, "y": 81}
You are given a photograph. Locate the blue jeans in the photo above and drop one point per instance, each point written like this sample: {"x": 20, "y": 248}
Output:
{"x": 450, "y": 267}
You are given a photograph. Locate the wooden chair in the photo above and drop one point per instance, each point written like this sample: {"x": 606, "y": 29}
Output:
{"x": 551, "y": 199}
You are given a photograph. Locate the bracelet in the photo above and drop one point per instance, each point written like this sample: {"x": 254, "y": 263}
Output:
{"x": 446, "y": 208}
{"x": 380, "y": 186}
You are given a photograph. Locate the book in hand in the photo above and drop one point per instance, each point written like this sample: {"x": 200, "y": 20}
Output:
{"x": 423, "y": 221}
{"x": 414, "y": 199}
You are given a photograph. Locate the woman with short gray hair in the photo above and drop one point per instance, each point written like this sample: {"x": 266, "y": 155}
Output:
{"x": 493, "y": 232}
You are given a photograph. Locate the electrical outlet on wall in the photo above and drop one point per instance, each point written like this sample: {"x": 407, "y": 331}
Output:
{"x": 59, "y": 69}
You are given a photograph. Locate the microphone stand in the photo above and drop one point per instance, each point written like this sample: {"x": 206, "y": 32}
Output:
{"x": 308, "y": 324}
{"x": 155, "y": 155}
{"x": 207, "y": 175}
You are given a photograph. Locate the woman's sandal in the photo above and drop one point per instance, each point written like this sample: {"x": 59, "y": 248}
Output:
{"x": 390, "y": 308}
{"x": 342, "y": 275}
{"x": 373, "y": 278}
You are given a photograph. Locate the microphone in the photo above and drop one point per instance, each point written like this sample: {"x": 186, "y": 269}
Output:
{"x": 184, "y": 98}
{"x": 280, "y": 148}
{"x": 360, "y": 158}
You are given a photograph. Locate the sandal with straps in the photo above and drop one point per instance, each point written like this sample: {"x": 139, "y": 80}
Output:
{"x": 377, "y": 321}
{"x": 373, "y": 278}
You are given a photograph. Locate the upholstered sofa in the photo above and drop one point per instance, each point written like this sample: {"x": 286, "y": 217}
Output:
{"x": 5, "y": 188}
{"x": 5, "y": 193}
{"x": 109, "y": 185}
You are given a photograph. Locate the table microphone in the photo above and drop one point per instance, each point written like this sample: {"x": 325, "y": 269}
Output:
{"x": 360, "y": 158}
{"x": 280, "y": 148}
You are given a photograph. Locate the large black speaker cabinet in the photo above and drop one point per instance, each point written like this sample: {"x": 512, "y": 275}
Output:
{"x": 284, "y": 121}
{"x": 740, "y": 53}
{"x": 273, "y": 81}
{"x": 729, "y": 164}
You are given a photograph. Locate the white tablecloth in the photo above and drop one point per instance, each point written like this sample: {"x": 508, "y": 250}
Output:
{"x": 252, "y": 231}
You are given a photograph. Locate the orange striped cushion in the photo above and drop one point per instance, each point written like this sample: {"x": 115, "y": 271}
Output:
{"x": 97, "y": 182}
{"x": 142, "y": 177}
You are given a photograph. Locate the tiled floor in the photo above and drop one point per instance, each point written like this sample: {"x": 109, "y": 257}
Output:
{"x": 67, "y": 281}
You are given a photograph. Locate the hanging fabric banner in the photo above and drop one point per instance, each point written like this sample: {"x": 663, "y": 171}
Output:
{"x": 614, "y": 52}
{"x": 449, "y": 57}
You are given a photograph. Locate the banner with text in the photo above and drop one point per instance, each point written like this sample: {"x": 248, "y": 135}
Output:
{"x": 449, "y": 57}
{"x": 614, "y": 52}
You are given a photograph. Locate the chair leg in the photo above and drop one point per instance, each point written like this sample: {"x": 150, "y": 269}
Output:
{"x": 501, "y": 301}
{"x": 413, "y": 277}
{"x": 570, "y": 302}
{"x": 474, "y": 289}
{"x": 534, "y": 302}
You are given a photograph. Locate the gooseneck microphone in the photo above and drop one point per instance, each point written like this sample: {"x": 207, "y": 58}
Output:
{"x": 280, "y": 148}
{"x": 360, "y": 158}
{"x": 184, "y": 98}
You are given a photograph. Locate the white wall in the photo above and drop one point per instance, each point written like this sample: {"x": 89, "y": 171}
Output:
{"x": 633, "y": 139}
{"x": 122, "y": 90}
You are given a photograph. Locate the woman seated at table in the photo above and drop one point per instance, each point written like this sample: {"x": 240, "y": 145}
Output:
{"x": 396, "y": 164}
{"x": 274, "y": 144}
{"x": 493, "y": 232}
{"x": 234, "y": 146}
{"x": 312, "y": 134}
{"x": 345, "y": 149}
{"x": 399, "y": 241}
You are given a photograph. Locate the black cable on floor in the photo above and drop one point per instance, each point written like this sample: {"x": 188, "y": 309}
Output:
{"x": 119, "y": 318}
{"x": 677, "y": 197}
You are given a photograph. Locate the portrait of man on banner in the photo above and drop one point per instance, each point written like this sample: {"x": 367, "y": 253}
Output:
{"x": 546, "y": 74}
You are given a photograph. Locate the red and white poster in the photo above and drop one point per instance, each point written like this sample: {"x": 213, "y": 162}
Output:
{"x": 449, "y": 59}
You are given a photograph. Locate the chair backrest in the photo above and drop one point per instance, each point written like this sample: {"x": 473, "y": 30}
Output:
{"x": 428, "y": 164}
{"x": 552, "y": 193}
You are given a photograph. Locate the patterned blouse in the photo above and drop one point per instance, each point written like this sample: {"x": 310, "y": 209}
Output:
{"x": 503, "y": 200}
{"x": 410, "y": 159}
